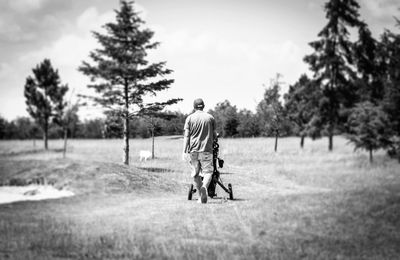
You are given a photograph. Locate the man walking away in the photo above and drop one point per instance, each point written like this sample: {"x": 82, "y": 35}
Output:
{"x": 199, "y": 134}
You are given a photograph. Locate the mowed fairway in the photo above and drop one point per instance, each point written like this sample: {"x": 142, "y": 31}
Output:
{"x": 292, "y": 204}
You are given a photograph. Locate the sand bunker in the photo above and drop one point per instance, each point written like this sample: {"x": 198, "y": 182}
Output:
{"x": 31, "y": 192}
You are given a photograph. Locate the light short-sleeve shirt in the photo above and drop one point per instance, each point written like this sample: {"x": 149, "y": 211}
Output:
{"x": 199, "y": 128}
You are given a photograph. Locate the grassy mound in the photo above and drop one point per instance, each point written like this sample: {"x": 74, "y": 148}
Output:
{"x": 84, "y": 177}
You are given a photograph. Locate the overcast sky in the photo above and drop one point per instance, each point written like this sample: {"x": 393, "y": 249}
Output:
{"x": 218, "y": 49}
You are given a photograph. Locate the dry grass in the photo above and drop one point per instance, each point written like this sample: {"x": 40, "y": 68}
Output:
{"x": 292, "y": 204}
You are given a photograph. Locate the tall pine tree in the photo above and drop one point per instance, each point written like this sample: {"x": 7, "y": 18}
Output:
{"x": 331, "y": 63}
{"x": 370, "y": 67}
{"x": 45, "y": 96}
{"x": 120, "y": 73}
{"x": 390, "y": 43}
{"x": 391, "y": 46}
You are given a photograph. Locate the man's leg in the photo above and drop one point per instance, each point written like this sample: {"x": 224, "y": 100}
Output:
{"x": 198, "y": 182}
{"x": 195, "y": 167}
{"x": 206, "y": 180}
{"x": 207, "y": 169}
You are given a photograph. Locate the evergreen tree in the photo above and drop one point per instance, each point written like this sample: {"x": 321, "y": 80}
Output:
{"x": 370, "y": 67}
{"x": 331, "y": 63}
{"x": 369, "y": 128}
{"x": 391, "y": 45}
{"x": 44, "y": 96}
{"x": 121, "y": 75}
{"x": 301, "y": 103}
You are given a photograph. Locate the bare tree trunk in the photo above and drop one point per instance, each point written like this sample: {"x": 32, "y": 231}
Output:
{"x": 65, "y": 142}
{"x": 330, "y": 137}
{"x": 152, "y": 144}
{"x": 126, "y": 141}
{"x": 302, "y": 141}
{"x": 330, "y": 142}
{"x": 370, "y": 156}
{"x": 45, "y": 134}
{"x": 34, "y": 142}
{"x": 276, "y": 140}
{"x": 126, "y": 128}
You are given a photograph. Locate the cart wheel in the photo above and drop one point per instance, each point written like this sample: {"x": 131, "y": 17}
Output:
{"x": 230, "y": 191}
{"x": 190, "y": 192}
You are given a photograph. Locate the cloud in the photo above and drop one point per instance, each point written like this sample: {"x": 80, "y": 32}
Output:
{"x": 185, "y": 42}
{"x": 5, "y": 70}
{"x": 24, "y": 6}
{"x": 70, "y": 49}
{"x": 12, "y": 32}
{"x": 222, "y": 65}
{"x": 142, "y": 12}
{"x": 383, "y": 8}
{"x": 183, "y": 45}
{"x": 91, "y": 19}
{"x": 289, "y": 52}
{"x": 314, "y": 5}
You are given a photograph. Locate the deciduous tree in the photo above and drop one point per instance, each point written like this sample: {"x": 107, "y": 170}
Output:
{"x": 249, "y": 124}
{"x": 270, "y": 110}
{"x": 226, "y": 118}
{"x": 44, "y": 95}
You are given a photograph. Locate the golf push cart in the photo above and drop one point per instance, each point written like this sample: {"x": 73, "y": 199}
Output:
{"x": 217, "y": 162}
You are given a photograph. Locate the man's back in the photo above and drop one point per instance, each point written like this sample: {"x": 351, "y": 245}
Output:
{"x": 200, "y": 126}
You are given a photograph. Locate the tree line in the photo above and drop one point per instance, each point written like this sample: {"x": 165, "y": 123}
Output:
{"x": 24, "y": 128}
{"x": 353, "y": 89}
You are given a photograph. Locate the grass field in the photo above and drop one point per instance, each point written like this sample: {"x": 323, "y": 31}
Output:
{"x": 292, "y": 204}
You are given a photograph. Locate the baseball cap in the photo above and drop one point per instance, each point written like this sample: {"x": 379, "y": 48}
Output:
{"x": 198, "y": 103}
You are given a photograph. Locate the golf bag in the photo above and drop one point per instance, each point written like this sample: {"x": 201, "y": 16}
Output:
{"x": 216, "y": 179}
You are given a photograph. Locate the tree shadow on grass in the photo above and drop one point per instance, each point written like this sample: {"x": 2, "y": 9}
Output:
{"x": 155, "y": 169}
{"x": 222, "y": 200}
{"x": 32, "y": 151}
{"x": 225, "y": 173}
{"x": 175, "y": 137}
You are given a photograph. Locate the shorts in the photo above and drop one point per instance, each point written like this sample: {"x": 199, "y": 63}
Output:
{"x": 201, "y": 163}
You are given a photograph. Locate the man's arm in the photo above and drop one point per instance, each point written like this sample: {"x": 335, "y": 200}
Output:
{"x": 186, "y": 139}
